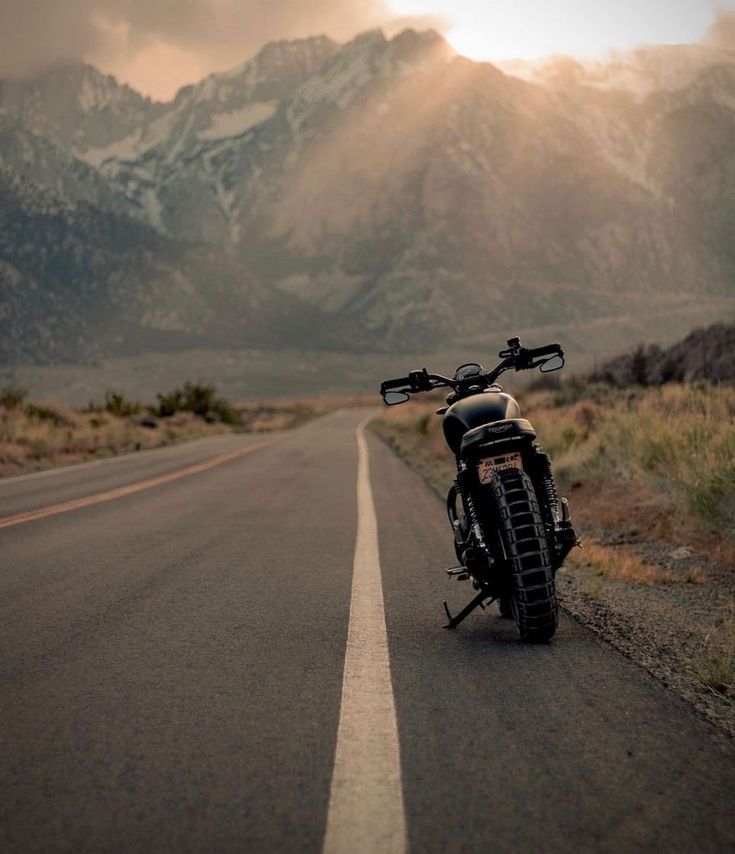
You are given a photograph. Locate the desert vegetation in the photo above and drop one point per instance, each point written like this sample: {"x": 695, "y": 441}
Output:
{"x": 670, "y": 449}
{"x": 37, "y": 434}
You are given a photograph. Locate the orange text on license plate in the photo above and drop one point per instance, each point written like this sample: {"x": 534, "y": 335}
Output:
{"x": 490, "y": 466}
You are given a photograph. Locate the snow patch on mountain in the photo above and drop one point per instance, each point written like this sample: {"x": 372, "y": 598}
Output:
{"x": 153, "y": 209}
{"x": 124, "y": 149}
{"x": 236, "y": 122}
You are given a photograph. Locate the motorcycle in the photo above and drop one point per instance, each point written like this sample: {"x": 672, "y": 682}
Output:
{"x": 511, "y": 529}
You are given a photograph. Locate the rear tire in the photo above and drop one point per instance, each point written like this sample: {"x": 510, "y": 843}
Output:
{"x": 521, "y": 526}
{"x": 505, "y": 604}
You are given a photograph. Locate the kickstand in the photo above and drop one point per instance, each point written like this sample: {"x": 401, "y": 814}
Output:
{"x": 467, "y": 610}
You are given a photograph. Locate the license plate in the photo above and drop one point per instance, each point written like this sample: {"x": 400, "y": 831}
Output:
{"x": 490, "y": 466}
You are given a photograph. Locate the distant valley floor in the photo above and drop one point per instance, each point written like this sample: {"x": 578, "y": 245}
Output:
{"x": 250, "y": 374}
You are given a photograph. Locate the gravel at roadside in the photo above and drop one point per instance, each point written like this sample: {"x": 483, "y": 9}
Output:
{"x": 681, "y": 632}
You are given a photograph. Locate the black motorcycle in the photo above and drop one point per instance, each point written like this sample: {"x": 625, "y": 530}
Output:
{"x": 511, "y": 529}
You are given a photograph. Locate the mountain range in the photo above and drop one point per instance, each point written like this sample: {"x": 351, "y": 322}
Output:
{"x": 381, "y": 194}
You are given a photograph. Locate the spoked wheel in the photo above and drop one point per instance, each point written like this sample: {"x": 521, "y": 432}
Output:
{"x": 532, "y": 597}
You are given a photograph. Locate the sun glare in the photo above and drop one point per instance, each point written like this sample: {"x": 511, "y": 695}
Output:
{"x": 531, "y": 29}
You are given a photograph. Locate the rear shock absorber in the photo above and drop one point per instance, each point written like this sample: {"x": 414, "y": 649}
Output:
{"x": 469, "y": 505}
{"x": 547, "y": 483}
{"x": 562, "y": 535}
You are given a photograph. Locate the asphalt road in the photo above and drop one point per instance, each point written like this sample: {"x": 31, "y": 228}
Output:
{"x": 171, "y": 666}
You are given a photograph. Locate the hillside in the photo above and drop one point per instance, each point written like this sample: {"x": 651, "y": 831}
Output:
{"x": 78, "y": 282}
{"x": 705, "y": 354}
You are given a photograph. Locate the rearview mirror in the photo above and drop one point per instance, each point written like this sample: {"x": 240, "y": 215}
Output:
{"x": 555, "y": 363}
{"x": 394, "y": 397}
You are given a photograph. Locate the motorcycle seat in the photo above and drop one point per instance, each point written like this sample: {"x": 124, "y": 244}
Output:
{"x": 479, "y": 438}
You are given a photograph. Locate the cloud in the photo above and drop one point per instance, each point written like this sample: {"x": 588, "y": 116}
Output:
{"x": 158, "y": 44}
{"x": 34, "y": 34}
{"x": 722, "y": 32}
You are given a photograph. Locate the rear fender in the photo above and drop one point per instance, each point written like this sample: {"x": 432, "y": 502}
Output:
{"x": 485, "y": 440}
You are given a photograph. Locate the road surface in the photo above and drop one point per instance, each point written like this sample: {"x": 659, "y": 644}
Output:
{"x": 175, "y": 674}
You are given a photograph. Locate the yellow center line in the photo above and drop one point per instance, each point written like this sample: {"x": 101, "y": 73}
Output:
{"x": 130, "y": 488}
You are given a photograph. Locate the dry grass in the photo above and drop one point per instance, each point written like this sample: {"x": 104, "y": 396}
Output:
{"x": 43, "y": 434}
{"x": 621, "y": 564}
{"x": 718, "y": 670}
{"x": 662, "y": 459}
{"x": 676, "y": 443}
{"x": 60, "y": 435}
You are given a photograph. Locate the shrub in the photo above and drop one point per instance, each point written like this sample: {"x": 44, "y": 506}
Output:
{"x": 169, "y": 404}
{"x": 12, "y": 396}
{"x": 639, "y": 366}
{"x": 39, "y": 412}
{"x": 116, "y": 404}
{"x": 224, "y": 412}
{"x": 200, "y": 400}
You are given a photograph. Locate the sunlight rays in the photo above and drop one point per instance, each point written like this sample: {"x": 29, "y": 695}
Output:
{"x": 531, "y": 29}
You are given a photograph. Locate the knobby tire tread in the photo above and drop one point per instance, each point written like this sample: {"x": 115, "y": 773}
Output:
{"x": 526, "y": 547}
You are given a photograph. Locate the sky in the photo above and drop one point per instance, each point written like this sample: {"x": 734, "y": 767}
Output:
{"x": 159, "y": 45}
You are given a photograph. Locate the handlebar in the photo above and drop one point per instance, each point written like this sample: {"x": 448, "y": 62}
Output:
{"x": 526, "y": 358}
{"x": 417, "y": 381}
{"x": 517, "y": 357}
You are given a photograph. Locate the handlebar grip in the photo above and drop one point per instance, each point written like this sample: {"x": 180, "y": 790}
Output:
{"x": 548, "y": 350}
{"x": 399, "y": 383}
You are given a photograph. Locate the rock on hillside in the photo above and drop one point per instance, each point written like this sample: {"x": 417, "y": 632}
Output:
{"x": 705, "y": 354}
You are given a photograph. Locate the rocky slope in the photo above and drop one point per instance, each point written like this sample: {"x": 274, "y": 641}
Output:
{"x": 706, "y": 354}
{"x": 49, "y": 163}
{"x": 406, "y": 196}
{"x": 85, "y": 111}
{"x": 78, "y": 283}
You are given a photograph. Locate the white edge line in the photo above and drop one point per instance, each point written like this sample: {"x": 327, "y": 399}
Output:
{"x": 366, "y": 812}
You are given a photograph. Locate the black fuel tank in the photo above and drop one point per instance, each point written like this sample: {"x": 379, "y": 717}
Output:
{"x": 475, "y": 411}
